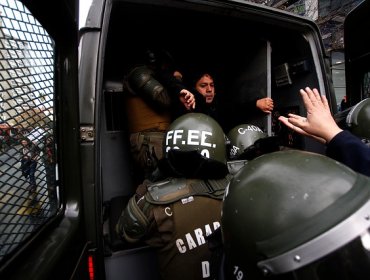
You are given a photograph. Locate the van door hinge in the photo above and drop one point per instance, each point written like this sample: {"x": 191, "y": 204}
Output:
{"x": 87, "y": 133}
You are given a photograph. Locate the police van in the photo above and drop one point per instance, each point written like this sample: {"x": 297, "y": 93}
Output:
{"x": 68, "y": 83}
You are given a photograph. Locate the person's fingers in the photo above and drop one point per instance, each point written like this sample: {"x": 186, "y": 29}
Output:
{"x": 311, "y": 95}
{"x": 316, "y": 94}
{"x": 306, "y": 99}
{"x": 294, "y": 116}
{"x": 325, "y": 102}
{"x": 285, "y": 121}
{"x": 190, "y": 101}
{"x": 297, "y": 122}
{"x": 288, "y": 122}
{"x": 319, "y": 100}
{"x": 314, "y": 100}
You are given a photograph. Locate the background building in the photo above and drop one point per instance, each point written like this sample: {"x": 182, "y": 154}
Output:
{"x": 26, "y": 80}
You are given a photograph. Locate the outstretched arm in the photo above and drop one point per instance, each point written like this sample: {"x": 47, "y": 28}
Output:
{"x": 319, "y": 123}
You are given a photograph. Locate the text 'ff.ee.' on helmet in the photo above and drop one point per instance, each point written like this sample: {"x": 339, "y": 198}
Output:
{"x": 296, "y": 215}
{"x": 195, "y": 146}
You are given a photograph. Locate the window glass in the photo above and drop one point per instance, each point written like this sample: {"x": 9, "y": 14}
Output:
{"x": 339, "y": 79}
{"x": 84, "y": 9}
{"x": 29, "y": 193}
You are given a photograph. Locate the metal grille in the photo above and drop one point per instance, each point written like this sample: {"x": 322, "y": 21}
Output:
{"x": 28, "y": 177}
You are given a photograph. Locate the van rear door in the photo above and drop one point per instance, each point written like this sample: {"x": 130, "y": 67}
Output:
{"x": 357, "y": 58}
{"x": 41, "y": 232}
{"x": 357, "y": 53}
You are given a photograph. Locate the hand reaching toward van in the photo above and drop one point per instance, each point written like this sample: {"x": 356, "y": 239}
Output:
{"x": 319, "y": 123}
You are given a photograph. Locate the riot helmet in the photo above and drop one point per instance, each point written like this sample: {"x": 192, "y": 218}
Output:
{"x": 195, "y": 146}
{"x": 243, "y": 136}
{"x": 248, "y": 141}
{"x": 358, "y": 119}
{"x": 296, "y": 215}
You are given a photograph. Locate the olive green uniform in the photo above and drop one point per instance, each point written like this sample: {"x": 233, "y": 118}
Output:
{"x": 176, "y": 216}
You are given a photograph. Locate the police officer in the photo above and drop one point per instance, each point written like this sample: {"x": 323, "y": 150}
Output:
{"x": 153, "y": 90}
{"x": 246, "y": 142}
{"x": 296, "y": 215}
{"x": 177, "y": 214}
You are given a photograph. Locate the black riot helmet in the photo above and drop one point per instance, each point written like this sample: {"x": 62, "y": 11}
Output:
{"x": 195, "y": 146}
{"x": 296, "y": 215}
{"x": 358, "y": 119}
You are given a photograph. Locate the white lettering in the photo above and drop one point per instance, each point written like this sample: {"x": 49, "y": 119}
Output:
{"x": 199, "y": 236}
{"x": 234, "y": 150}
{"x": 191, "y": 242}
{"x": 238, "y": 273}
{"x": 194, "y": 138}
{"x": 216, "y": 225}
{"x": 193, "y": 135}
{"x": 204, "y": 138}
{"x": 187, "y": 200}
{"x": 208, "y": 230}
{"x": 173, "y": 148}
{"x": 180, "y": 246}
{"x": 177, "y": 135}
{"x": 168, "y": 211}
{"x": 205, "y": 153}
{"x": 205, "y": 269}
{"x": 242, "y": 130}
{"x": 169, "y": 136}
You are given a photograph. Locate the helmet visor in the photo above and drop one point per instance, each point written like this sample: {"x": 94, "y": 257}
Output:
{"x": 350, "y": 262}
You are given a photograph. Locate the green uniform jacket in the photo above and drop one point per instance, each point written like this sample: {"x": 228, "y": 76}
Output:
{"x": 176, "y": 216}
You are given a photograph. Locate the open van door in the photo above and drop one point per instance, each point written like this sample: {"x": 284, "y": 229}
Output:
{"x": 41, "y": 212}
{"x": 357, "y": 53}
{"x": 357, "y": 57}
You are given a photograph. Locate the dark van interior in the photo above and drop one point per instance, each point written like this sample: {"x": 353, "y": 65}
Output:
{"x": 250, "y": 55}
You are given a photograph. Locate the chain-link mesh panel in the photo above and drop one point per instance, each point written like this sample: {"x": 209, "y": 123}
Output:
{"x": 28, "y": 188}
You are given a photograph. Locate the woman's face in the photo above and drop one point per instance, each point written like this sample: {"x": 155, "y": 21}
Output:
{"x": 206, "y": 87}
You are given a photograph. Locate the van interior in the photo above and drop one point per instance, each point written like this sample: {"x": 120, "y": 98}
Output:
{"x": 250, "y": 56}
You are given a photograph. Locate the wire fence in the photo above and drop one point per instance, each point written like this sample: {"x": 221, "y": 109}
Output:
{"x": 28, "y": 179}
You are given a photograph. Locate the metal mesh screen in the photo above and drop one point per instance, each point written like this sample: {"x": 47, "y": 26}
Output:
{"x": 28, "y": 177}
